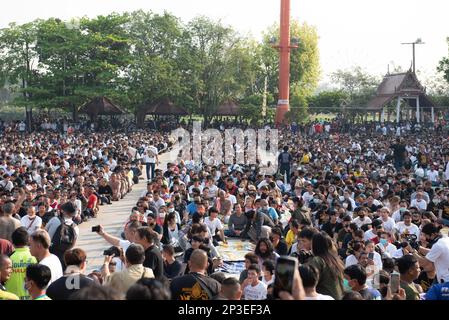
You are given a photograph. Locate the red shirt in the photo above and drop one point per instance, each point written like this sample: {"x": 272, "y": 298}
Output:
{"x": 91, "y": 201}
{"x": 6, "y": 247}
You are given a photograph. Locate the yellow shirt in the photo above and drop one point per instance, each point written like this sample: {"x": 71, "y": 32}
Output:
{"x": 290, "y": 238}
{"x": 21, "y": 259}
{"x": 305, "y": 159}
{"x": 5, "y": 295}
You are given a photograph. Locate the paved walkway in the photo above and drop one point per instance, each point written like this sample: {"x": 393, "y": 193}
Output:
{"x": 112, "y": 218}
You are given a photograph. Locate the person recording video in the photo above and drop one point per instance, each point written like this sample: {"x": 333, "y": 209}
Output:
{"x": 437, "y": 256}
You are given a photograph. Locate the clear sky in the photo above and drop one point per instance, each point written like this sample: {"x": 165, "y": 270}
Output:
{"x": 352, "y": 32}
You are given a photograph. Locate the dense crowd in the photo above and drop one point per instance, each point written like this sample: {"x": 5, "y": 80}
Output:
{"x": 358, "y": 208}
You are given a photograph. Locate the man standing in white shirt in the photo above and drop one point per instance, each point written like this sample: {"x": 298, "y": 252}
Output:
{"x": 150, "y": 158}
{"x": 436, "y": 258}
{"x": 40, "y": 248}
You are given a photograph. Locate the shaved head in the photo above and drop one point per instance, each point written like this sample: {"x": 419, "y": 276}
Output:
{"x": 198, "y": 261}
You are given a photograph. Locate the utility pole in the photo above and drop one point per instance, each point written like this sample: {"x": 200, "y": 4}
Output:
{"x": 418, "y": 41}
{"x": 284, "y": 48}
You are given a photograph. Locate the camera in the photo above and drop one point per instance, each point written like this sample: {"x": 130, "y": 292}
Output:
{"x": 302, "y": 255}
{"x": 112, "y": 251}
{"x": 410, "y": 239}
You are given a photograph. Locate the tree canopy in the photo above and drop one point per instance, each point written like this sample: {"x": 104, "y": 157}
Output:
{"x": 141, "y": 57}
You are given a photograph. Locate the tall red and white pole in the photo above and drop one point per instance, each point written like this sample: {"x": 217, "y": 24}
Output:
{"x": 284, "y": 63}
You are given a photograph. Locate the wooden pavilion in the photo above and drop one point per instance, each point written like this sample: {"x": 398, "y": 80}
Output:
{"x": 101, "y": 106}
{"x": 161, "y": 108}
{"x": 402, "y": 87}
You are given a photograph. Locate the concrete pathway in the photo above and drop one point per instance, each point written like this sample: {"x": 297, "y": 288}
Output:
{"x": 112, "y": 218}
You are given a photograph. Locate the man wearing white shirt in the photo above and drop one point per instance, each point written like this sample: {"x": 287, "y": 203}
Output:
{"x": 130, "y": 235}
{"x": 231, "y": 198}
{"x": 214, "y": 224}
{"x": 373, "y": 255}
{"x": 308, "y": 195}
{"x": 6, "y": 183}
{"x": 419, "y": 202}
{"x": 385, "y": 245}
{"x": 31, "y": 221}
{"x": 150, "y": 158}
{"x": 40, "y": 248}
{"x": 158, "y": 201}
{"x": 436, "y": 258}
{"x": 362, "y": 218}
{"x": 406, "y": 226}
{"x": 419, "y": 172}
{"x": 68, "y": 213}
{"x": 387, "y": 222}
{"x": 111, "y": 163}
{"x": 434, "y": 176}
{"x": 253, "y": 288}
{"x": 372, "y": 233}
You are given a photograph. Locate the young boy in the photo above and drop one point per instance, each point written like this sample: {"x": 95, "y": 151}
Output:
{"x": 253, "y": 288}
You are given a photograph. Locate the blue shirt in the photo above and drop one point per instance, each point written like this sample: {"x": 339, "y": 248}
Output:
{"x": 191, "y": 208}
{"x": 273, "y": 214}
{"x": 370, "y": 294}
{"x": 438, "y": 292}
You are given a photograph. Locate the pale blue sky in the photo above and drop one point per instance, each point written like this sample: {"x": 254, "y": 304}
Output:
{"x": 352, "y": 32}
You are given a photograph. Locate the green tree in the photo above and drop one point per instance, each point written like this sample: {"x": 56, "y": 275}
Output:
{"x": 218, "y": 60}
{"x": 304, "y": 66}
{"x": 299, "y": 112}
{"x": 358, "y": 85}
{"x": 327, "y": 101}
{"x": 78, "y": 64}
{"x": 159, "y": 66}
{"x": 18, "y": 61}
{"x": 354, "y": 81}
{"x": 443, "y": 65}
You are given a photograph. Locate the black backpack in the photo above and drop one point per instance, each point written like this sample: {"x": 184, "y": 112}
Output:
{"x": 64, "y": 239}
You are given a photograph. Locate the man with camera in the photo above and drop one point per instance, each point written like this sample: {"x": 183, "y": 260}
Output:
{"x": 437, "y": 255}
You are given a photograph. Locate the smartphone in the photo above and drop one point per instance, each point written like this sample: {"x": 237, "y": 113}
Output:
{"x": 283, "y": 279}
{"x": 394, "y": 282}
{"x": 96, "y": 229}
{"x": 371, "y": 255}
